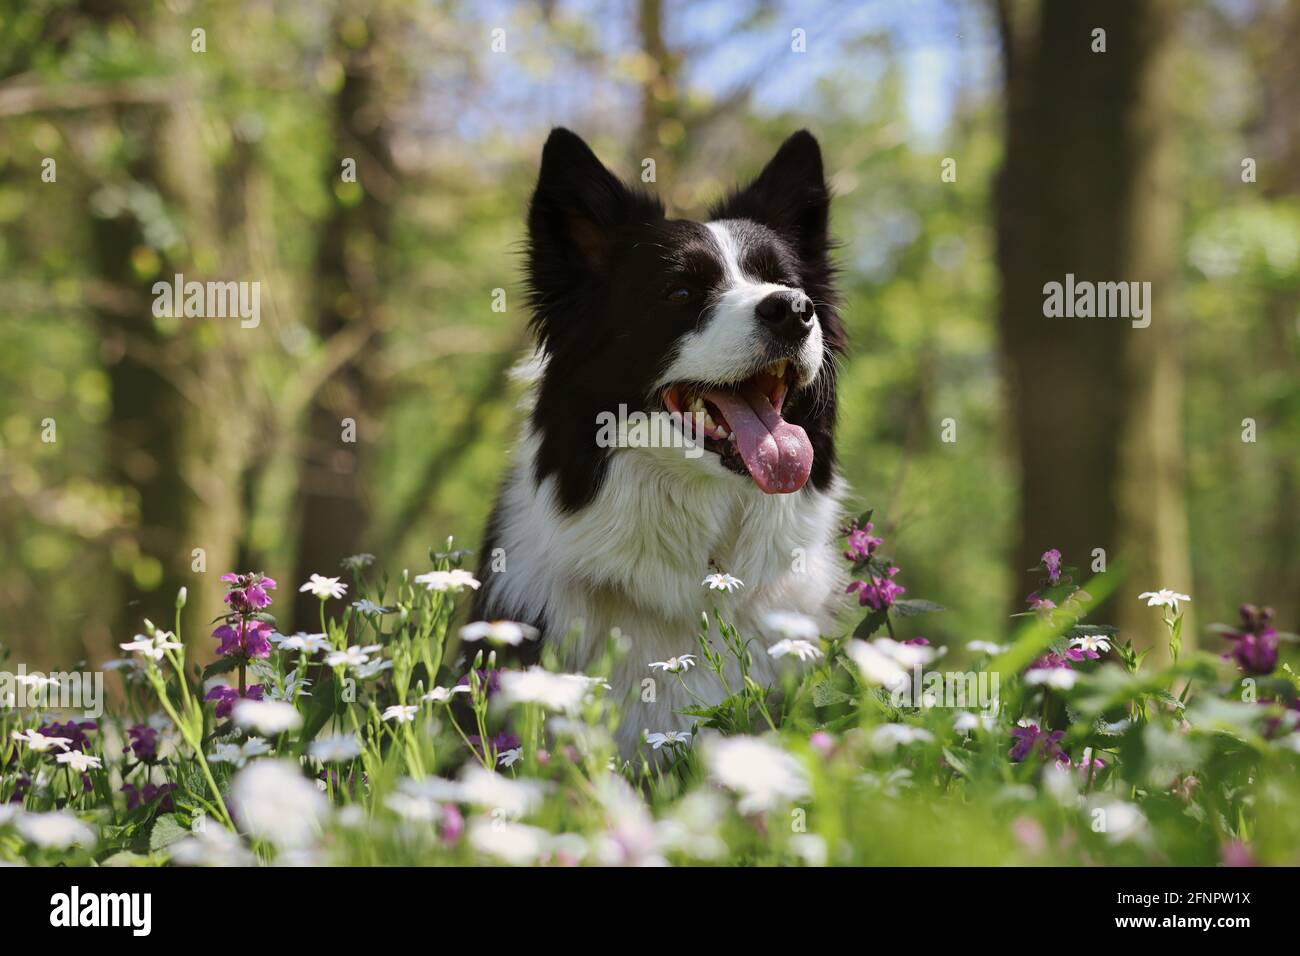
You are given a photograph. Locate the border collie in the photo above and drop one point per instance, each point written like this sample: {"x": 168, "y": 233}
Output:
{"x": 729, "y": 327}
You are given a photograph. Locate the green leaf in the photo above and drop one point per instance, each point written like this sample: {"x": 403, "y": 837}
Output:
{"x": 954, "y": 761}
{"x": 321, "y": 706}
{"x": 911, "y": 607}
{"x": 871, "y": 623}
{"x": 167, "y": 829}
{"x": 223, "y": 666}
{"x": 824, "y": 695}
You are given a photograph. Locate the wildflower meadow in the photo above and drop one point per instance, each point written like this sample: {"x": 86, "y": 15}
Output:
{"x": 393, "y": 737}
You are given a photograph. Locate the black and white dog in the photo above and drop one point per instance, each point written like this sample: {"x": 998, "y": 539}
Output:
{"x": 732, "y": 321}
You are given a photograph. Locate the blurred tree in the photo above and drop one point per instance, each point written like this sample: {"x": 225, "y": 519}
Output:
{"x": 351, "y": 278}
{"x": 659, "y": 129}
{"x": 1086, "y": 188}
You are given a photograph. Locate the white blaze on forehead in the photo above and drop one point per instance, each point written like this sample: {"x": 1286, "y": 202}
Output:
{"x": 732, "y": 342}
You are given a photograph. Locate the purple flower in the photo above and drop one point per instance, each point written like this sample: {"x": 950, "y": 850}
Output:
{"x": 74, "y": 730}
{"x": 1052, "y": 561}
{"x": 142, "y": 741}
{"x": 822, "y": 742}
{"x": 1236, "y": 853}
{"x": 249, "y": 639}
{"x": 1255, "y": 646}
{"x": 861, "y": 543}
{"x": 1089, "y": 763}
{"x": 142, "y": 797}
{"x": 1029, "y": 739}
{"x": 491, "y": 678}
{"x": 1053, "y": 661}
{"x": 248, "y": 591}
{"x": 451, "y": 825}
{"x": 227, "y": 696}
{"x": 878, "y": 593}
{"x": 1279, "y": 726}
{"x": 501, "y": 742}
{"x": 1037, "y": 603}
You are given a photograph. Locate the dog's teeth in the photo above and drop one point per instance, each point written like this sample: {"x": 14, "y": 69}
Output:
{"x": 723, "y": 433}
{"x": 696, "y": 405}
{"x": 709, "y": 423}
{"x": 778, "y": 368}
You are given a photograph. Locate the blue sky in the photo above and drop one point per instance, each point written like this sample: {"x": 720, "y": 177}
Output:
{"x": 941, "y": 45}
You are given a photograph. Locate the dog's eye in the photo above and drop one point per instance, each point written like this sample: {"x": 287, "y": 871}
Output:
{"x": 679, "y": 295}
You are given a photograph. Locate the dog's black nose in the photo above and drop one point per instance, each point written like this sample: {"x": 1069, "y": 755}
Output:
{"x": 788, "y": 314}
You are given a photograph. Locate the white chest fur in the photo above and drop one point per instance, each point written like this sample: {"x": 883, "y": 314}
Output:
{"x": 635, "y": 557}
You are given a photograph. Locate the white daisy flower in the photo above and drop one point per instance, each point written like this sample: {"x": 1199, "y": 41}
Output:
{"x": 810, "y": 848}
{"x": 412, "y": 808}
{"x": 302, "y": 641}
{"x": 723, "y": 582}
{"x": 401, "y": 713}
{"x": 57, "y": 830}
{"x": 80, "y": 762}
{"x": 274, "y": 802}
{"x": 675, "y": 665}
{"x": 759, "y": 771}
{"x": 804, "y": 650}
{"x": 355, "y": 562}
{"x": 909, "y": 656}
{"x": 1058, "y": 678}
{"x": 986, "y": 647}
{"x": 353, "y": 656}
{"x": 372, "y": 669}
{"x": 367, "y": 606}
{"x": 1164, "y": 598}
{"x": 508, "y": 758}
{"x": 668, "y": 737}
{"x": 513, "y": 797}
{"x": 211, "y": 846}
{"x": 792, "y": 625}
{"x": 240, "y": 754}
{"x": 294, "y": 687}
{"x": 440, "y": 695}
{"x": 515, "y": 843}
{"x": 339, "y": 748}
{"x": 324, "y": 587}
{"x": 453, "y": 580}
{"x": 152, "y": 647}
{"x": 875, "y": 666}
{"x": 888, "y": 736}
{"x": 1097, "y": 643}
{"x": 38, "y": 742}
{"x": 499, "y": 632}
{"x": 559, "y": 692}
{"x": 1119, "y": 821}
{"x": 964, "y": 721}
{"x": 270, "y": 717}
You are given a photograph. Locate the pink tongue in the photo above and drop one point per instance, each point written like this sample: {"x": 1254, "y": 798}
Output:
{"x": 778, "y": 455}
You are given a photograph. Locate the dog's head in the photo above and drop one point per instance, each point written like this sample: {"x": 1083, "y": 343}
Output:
{"x": 732, "y": 320}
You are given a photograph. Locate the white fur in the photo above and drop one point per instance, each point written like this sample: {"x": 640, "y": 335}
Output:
{"x": 731, "y": 344}
{"x": 636, "y": 556}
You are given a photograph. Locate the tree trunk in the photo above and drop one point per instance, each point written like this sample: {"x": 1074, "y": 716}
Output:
{"x": 1086, "y": 188}
{"x": 334, "y": 512}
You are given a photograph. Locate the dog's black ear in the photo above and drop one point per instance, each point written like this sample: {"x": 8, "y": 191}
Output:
{"x": 576, "y": 207}
{"x": 790, "y": 195}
